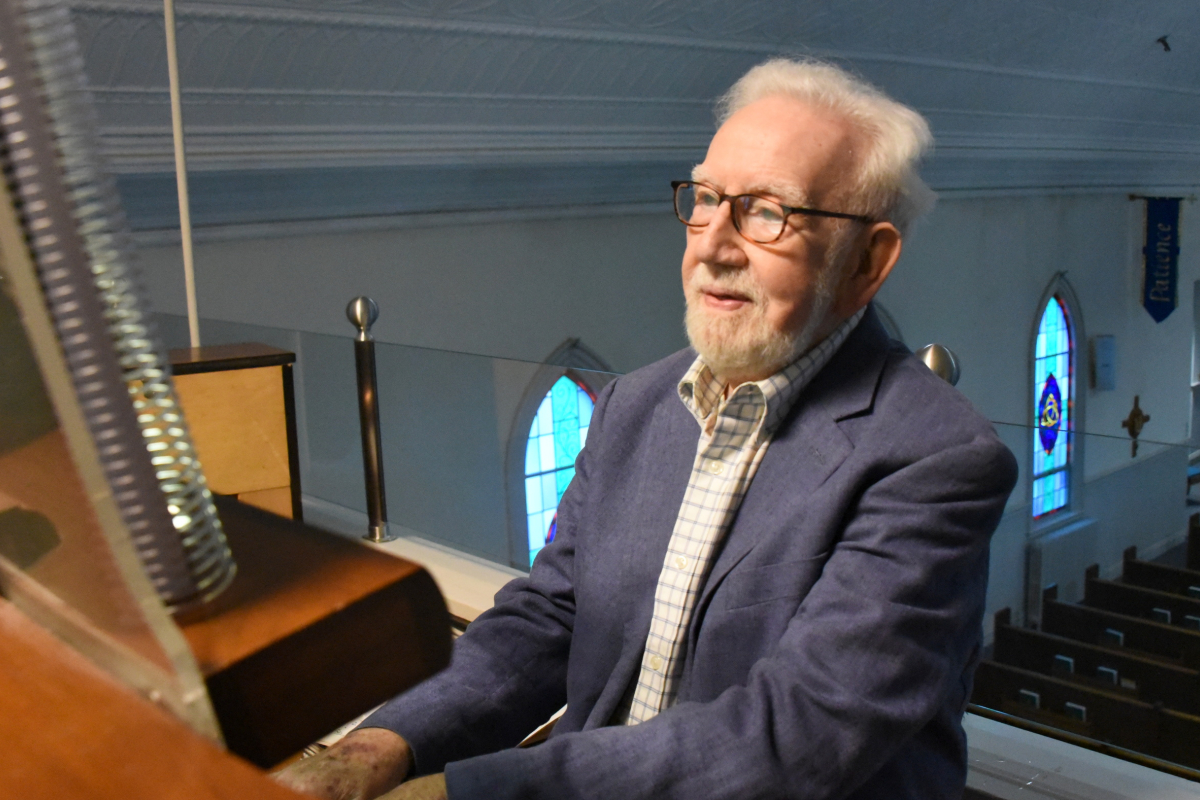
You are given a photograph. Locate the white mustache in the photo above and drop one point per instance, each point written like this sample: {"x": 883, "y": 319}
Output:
{"x": 738, "y": 283}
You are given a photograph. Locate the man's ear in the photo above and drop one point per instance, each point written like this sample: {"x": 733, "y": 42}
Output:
{"x": 876, "y": 255}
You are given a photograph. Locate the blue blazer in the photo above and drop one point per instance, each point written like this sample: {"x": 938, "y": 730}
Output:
{"x": 831, "y": 651}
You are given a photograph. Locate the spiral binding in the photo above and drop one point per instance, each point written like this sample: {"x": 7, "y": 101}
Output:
{"x": 193, "y": 542}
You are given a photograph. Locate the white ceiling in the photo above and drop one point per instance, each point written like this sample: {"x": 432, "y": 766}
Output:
{"x": 1022, "y": 95}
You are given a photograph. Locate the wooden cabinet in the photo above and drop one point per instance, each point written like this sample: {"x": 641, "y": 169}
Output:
{"x": 315, "y": 630}
{"x": 240, "y": 405}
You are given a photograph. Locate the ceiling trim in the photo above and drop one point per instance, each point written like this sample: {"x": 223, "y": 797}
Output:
{"x": 163, "y": 237}
{"x": 149, "y": 149}
{"x": 156, "y": 94}
{"x": 345, "y": 225}
{"x": 201, "y": 10}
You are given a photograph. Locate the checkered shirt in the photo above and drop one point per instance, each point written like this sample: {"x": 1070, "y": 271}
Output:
{"x": 734, "y": 435}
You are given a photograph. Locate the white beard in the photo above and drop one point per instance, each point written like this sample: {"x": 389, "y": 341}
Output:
{"x": 744, "y": 343}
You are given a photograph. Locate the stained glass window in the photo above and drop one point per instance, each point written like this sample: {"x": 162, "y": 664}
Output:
{"x": 555, "y": 439}
{"x": 1052, "y": 405}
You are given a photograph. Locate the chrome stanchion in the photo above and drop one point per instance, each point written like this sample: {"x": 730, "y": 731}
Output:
{"x": 942, "y": 361}
{"x": 363, "y": 312}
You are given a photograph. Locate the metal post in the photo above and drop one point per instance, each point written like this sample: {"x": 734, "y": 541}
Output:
{"x": 363, "y": 312}
{"x": 942, "y": 361}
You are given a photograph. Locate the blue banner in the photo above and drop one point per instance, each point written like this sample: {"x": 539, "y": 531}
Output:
{"x": 1160, "y": 292}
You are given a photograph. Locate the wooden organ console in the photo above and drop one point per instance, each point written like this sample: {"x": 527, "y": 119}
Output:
{"x": 155, "y": 640}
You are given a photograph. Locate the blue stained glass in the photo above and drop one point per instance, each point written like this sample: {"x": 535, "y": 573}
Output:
{"x": 563, "y": 479}
{"x": 566, "y": 443}
{"x": 546, "y": 451}
{"x": 533, "y": 495}
{"x": 1049, "y": 414}
{"x": 532, "y": 461}
{"x": 1052, "y": 407}
{"x": 555, "y": 439}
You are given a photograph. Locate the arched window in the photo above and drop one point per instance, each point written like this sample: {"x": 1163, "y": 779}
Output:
{"x": 556, "y": 436}
{"x": 1054, "y": 406}
{"x": 552, "y": 411}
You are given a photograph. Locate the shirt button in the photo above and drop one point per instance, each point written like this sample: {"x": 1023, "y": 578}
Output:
{"x": 716, "y": 467}
{"x": 656, "y": 663}
{"x": 680, "y": 562}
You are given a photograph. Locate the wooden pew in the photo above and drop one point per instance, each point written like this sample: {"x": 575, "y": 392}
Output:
{"x": 1152, "y": 639}
{"x": 1193, "y": 542}
{"x": 1163, "y": 578}
{"x": 1092, "y": 712}
{"x": 315, "y": 630}
{"x": 1117, "y": 670}
{"x": 1136, "y": 601}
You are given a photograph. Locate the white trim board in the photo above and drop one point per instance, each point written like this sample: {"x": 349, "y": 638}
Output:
{"x": 468, "y": 583}
{"x": 1014, "y": 764}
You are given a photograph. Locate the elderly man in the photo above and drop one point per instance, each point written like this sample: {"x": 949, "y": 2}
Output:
{"x": 770, "y": 568}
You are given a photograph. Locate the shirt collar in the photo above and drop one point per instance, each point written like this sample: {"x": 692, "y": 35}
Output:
{"x": 701, "y": 391}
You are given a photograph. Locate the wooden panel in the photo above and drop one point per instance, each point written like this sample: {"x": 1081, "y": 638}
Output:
{"x": 1139, "y": 726}
{"x": 1193, "y": 542}
{"x": 238, "y": 423}
{"x": 315, "y": 630}
{"x": 189, "y": 360}
{"x": 1135, "y": 600}
{"x": 277, "y": 501}
{"x": 1175, "y": 686}
{"x": 73, "y": 560}
{"x": 1150, "y": 638}
{"x": 1164, "y": 578}
{"x": 71, "y": 731}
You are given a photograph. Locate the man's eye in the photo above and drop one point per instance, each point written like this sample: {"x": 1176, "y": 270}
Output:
{"x": 707, "y": 197}
{"x": 765, "y": 210}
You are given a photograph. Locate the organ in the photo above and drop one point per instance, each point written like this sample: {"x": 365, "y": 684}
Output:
{"x": 151, "y": 633}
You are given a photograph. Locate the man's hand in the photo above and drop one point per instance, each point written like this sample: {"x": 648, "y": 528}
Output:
{"x": 430, "y": 787}
{"x": 362, "y": 766}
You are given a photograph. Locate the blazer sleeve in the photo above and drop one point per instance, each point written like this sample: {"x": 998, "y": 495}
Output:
{"x": 869, "y": 658}
{"x": 507, "y": 672}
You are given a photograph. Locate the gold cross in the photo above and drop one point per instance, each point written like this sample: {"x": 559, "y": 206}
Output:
{"x": 1133, "y": 423}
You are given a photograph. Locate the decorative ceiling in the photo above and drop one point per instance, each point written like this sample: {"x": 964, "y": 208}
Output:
{"x": 298, "y": 109}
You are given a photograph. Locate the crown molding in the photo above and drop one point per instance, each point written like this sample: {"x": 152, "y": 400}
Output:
{"x": 163, "y": 237}
{"x": 169, "y": 237}
{"x": 131, "y": 151}
{"x": 397, "y": 22}
{"x": 149, "y": 149}
{"x": 199, "y": 95}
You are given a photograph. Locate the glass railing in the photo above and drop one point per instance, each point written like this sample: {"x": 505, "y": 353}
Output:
{"x": 456, "y": 447}
{"x": 1109, "y": 657}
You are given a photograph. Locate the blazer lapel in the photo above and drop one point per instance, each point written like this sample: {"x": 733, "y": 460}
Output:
{"x": 807, "y": 448}
{"x": 670, "y": 453}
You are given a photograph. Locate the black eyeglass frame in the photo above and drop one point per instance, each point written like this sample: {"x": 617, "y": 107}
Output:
{"x": 787, "y": 210}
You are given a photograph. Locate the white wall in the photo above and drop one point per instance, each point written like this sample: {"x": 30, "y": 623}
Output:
{"x": 514, "y": 289}
{"x": 971, "y": 278}
{"x": 973, "y": 274}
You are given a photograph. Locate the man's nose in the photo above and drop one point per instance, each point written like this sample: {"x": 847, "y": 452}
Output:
{"x": 718, "y": 242}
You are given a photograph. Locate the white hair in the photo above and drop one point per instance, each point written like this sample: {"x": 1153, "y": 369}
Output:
{"x": 886, "y": 185}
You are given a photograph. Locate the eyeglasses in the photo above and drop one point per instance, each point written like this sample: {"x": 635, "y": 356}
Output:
{"x": 756, "y": 218}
